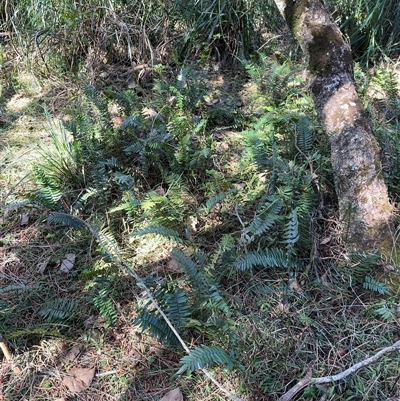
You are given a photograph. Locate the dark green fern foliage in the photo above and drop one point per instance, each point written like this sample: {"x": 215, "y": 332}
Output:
{"x": 59, "y": 310}
{"x": 199, "y": 307}
{"x": 105, "y": 305}
{"x": 281, "y": 147}
{"x": 66, "y": 219}
{"x": 267, "y": 258}
{"x": 203, "y": 356}
{"x": 374, "y": 285}
{"x": 174, "y": 303}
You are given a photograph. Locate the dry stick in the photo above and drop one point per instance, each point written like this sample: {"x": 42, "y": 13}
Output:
{"x": 328, "y": 379}
{"x": 3, "y": 346}
{"x": 113, "y": 251}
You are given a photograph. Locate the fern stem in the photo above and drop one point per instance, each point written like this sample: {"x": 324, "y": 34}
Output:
{"x": 112, "y": 250}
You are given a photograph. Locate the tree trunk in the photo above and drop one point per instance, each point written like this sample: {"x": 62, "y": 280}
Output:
{"x": 364, "y": 207}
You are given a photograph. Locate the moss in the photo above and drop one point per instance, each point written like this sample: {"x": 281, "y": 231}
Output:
{"x": 293, "y": 13}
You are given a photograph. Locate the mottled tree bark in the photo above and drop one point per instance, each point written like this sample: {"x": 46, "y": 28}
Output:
{"x": 364, "y": 206}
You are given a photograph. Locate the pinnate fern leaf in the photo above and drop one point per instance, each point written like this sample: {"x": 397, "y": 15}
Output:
{"x": 292, "y": 229}
{"x": 158, "y": 230}
{"x": 105, "y": 306}
{"x": 67, "y": 219}
{"x": 374, "y": 285}
{"x": 60, "y": 309}
{"x": 204, "y": 355}
{"x": 175, "y": 306}
{"x": 157, "y": 327}
{"x": 271, "y": 257}
{"x": 195, "y": 278}
{"x": 265, "y": 218}
{"x": 304, "y": 135}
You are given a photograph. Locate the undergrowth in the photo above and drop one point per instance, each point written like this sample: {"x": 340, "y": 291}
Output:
{"x": 224, "y": 216}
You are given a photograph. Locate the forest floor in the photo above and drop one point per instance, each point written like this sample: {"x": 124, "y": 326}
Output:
{"x": 280, "y": 337}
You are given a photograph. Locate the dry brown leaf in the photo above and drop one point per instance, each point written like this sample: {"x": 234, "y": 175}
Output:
{"x": 149, "y": 112}
{"x": 68, "y": 263}
{"x": 73, "y": 353}
{"x": 173, "y": 395}
{"x": 283, "y": 306}
{"x": 294, "y": 285}
{"x": 324, "y": 241}
{"x": 24, "y": 219}
{"x": 78, "y": 379}
{"x": 41, "y": 266}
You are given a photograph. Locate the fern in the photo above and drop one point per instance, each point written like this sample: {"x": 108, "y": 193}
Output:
{"x": 304, "y": 135}
{"x": 374, "y": 285}
{"x": 291, "y": 232}
{"x": 59, "y": 309}
{"x": 265, "y": 218}
{"x": 391, "y": 86}
{"x": 149, "y": 320}
{"x": 362, "y": 263}
{"x": 158, "y": 230}
{"x": 195, "y": 278}
{"x": 212, "y": 202}
{"x": 386, "y": 310}
{"x": 98, "y": 100}
{"x": 49, "y": 193}
{"x": 204, "y": 355}
{"x": 66, "y": 219}
{"x": 175, "y": 305}
{"x": 105, "y": 306}
{"x": 267, "y": 258}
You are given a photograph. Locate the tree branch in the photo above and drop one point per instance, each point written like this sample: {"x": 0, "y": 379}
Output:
{"x": 329, "y": 379}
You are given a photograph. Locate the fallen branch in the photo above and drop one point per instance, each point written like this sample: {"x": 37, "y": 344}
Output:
{"x": 3, "y": 346}
{"x": 329, "y": 379}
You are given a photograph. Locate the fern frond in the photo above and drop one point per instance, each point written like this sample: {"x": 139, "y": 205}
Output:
{"x": 175, "y": 305}
{"x": 291, "y": 233}
{"x": 134, "y": 120}
{"x": 204, "y": 355}
{"x": 196, "y": 279}
{"x": 106, "y": 308}
{"x": 49, "y": 192}
{"x": 362, "y": 263}
{"x": 67, "y": 219}
{"x": 374, "y": 285}
{"x": 100, "y": 102}
{"x": 60, "y": 309}
{"x": 19, "y": 287}
{"x": 158, "y": 230}
{"x": 211, "y": 203}
{"x": 304, "y": 135}
{"x": 149, "y": 320}
{"x": 265, "y": 218}
{"x": 270, "y": 257}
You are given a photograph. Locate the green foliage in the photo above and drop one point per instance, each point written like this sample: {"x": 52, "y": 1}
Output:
{"x": 203, "y": 356}
{"x": 266, "y": 258}
{"x": 374, "y": 285}
{"x": 386, "y": 118}
{"x": 104, "y": 303}
{"x": 157, "y": 327}
{"x": 58, "y": 310}
{"x": 158, "y": 230}
{"x": 386, "y": 310}
{"x": 66, "y": 219}
{"x": 372, "y": 27}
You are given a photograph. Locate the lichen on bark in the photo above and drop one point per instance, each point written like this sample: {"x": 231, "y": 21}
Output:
{"x": 364, "y": 206}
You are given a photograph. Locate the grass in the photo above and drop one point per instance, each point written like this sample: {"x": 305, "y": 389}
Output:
{"x": 213, "y": 153}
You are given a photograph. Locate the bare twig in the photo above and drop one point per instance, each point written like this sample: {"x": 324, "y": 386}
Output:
{"x": 329, "y": 379}
{"x": 3, "y": 346}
